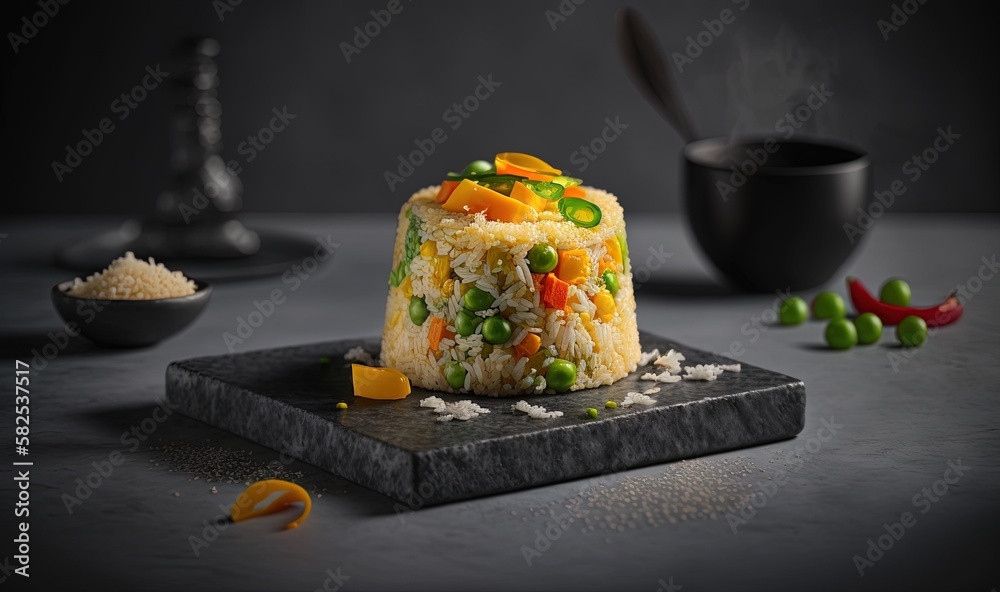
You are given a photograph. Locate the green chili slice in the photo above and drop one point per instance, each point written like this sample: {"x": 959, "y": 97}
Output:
{"x": 580, "y": 212}
{"x": 567, "y": 181}
{"x": 545, "y": 189}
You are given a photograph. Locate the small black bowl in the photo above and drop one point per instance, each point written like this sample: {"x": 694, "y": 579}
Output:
{"x": 129, "y": 323}
{"x": 771, "y": 214}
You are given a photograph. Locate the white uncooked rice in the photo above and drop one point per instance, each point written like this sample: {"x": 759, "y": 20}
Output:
{"x": 534, "y": 411}
{"x": 637, "y": 399}
{"x": 460, "y": 410}
{"x": 648, "y": 357}
{"x": 651, "y": 391}
{"x": 128, "y": 278}
{"x": 360, "y": 356}
{"x": 708, "y": 371}
{"x": 664, "y": 376}
{"x": 671, "y": 361}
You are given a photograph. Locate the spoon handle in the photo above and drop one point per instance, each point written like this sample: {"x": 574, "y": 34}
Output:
{"x": 644, "y": 61}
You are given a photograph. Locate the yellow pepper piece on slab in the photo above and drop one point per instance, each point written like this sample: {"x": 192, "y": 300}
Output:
{"x": 605, "y": 303}
{"x": 379, "y": 383}
{"x": 470, "y": 198}
{"x": 243, "y": 507}
{"x": 574, "y": 266}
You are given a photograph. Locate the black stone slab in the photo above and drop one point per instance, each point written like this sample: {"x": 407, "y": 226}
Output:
{"x": 285, "y": 399}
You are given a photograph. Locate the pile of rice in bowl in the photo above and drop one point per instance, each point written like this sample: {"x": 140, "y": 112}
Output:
{"x": 128, "y": 278}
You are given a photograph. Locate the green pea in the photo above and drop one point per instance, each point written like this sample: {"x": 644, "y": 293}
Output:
{"x": 592, "y": 413}
{"x": 841, "y": 334}
{"x": 611, "y": 405}
{"x": 418, "y": 310}
{"x": 497, "y": 330}
{"x": 828, "y": 305}
{"x": 477, "y": 167}
{"x": 912, "y": 331}
{"x": 895, "y": 292}
{"x": 869, "y": 328}
{"x": 477, "y": 299}
{"x": 611, "y": 281}
{"x": 542, "y": 258}
{"x": 561, "y": 375}
{"x": 793, "y": 311}
{"x": 454, "y": 373}
{"x": 466, "y": 323}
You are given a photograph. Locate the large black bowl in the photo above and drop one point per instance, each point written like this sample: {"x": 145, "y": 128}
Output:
{"x": 771, "y": 214}
{"x": 129, "y": 323}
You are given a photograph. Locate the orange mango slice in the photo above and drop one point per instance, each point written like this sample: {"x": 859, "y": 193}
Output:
{"x": 526, "y": 196}
{"x": 379, "y": 383}
{"x": 243, "y": 507}
{"x": 470, "y": 198}
{"x": 525, "y": 165}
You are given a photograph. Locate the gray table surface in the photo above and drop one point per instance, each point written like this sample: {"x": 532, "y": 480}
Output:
{"x": 896, "y": 429}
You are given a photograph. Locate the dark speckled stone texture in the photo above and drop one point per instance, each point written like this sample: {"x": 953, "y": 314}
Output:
{"x": 285, "y": 399}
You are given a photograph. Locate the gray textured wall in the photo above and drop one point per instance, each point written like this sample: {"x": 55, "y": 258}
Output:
{"x": 556, "y": 89}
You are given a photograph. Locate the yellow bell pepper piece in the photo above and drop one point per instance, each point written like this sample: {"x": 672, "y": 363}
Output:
{"x": 605, "y": 303}
{"x": 379, "y": 383}
{"x": 470, "y": 197}
{"x": 573, "y": 266}
{"x": 614, "y": 252}
{"x": 407, "y": 286}
{"x": 428, "y": 248}
{"x": 588, "y": 324}
{"x": 243, "y": 507}
{"x": 524, "y": 195}
{"x": 448, "y": 288}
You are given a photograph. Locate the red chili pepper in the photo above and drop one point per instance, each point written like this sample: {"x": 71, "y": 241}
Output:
{"x": 936, "y": 316}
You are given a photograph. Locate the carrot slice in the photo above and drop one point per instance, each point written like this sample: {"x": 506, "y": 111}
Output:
{"x": 555, "y": 292}
{"x": 575, "y": 191}
{"x": 436, "y": 332}
{"x": 445, "y": 191}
